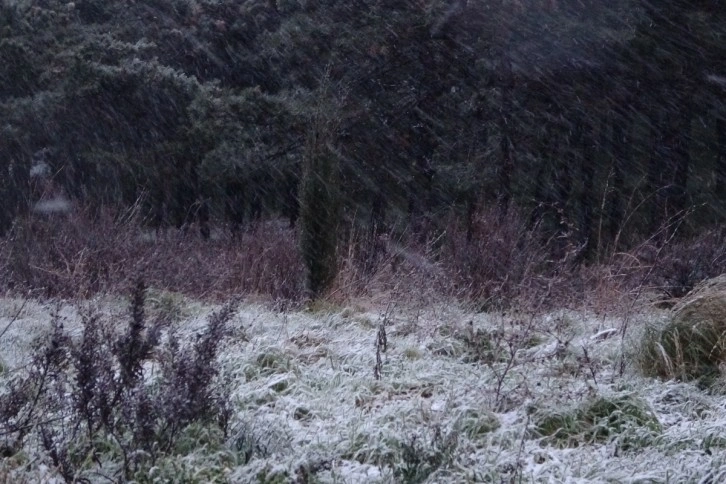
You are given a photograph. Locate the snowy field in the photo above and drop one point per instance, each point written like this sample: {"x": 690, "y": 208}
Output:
{"x": 459, "y": 397}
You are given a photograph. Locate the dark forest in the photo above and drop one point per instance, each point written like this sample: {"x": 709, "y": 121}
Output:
{"x": 599, "y": 126}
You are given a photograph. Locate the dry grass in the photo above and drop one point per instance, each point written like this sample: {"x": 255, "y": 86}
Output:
{"x": 504, "y": 264}
{"x": 693, "y": 343}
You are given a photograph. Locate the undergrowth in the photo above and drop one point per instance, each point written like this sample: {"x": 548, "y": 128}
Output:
{"x": 495, "y": 263}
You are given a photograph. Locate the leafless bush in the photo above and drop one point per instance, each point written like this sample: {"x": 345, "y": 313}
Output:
{"x": 499, "y": 260}
{"x": 66, "y": 255}
{"x": 97, "y": 395}
{"x": 500, "y": 263}
{"x": 78, "y": 255}
{"x": 684, "y": 264}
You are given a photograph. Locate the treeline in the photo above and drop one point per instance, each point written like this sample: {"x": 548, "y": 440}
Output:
{"x": 603, "y": 122}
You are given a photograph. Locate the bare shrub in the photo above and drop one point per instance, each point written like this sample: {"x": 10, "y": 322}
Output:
{"x": 262, "y": 261}
{"x": 97, "y": 398}
{"x": 500, "y": 263}
{"x": 499, "y": 260}
{"x": 66, "y": 255}
{"x": 684, "y": 264}
{"x": 266, "y": 261}
{"x": 77, "y": 255}
{"x": 385, "y": 268}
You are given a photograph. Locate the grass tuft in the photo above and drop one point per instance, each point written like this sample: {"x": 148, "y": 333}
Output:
{"x": 599, "y": 419}
{"x": 692, "y": 345}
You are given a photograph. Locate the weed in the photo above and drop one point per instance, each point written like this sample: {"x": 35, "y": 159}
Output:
{"x": 94, "y": 400}
{"x": 498, "y": 350}
{"x": 381, "y": 347}
{"x": 496, "y": 260}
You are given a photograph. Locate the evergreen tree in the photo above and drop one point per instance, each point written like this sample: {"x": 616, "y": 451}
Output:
{"x": 320, "y": 199}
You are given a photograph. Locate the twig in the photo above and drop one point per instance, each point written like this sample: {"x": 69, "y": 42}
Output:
{"x": 589, "y": 364}
{"x": 26, "y": 426}
{"x": 14, "y": 318}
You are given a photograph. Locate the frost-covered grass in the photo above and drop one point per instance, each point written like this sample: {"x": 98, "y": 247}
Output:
{"x": 462, "y": 397}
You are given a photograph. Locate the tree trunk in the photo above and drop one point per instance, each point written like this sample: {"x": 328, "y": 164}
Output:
{"x": 506, "y": 167}
{"x": 620, "y": 149}
{"x": 588, "y": 201}
{"x": 721, "y": 157}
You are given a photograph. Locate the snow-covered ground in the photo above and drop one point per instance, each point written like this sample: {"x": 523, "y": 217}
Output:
{"x": 462, "y": 397}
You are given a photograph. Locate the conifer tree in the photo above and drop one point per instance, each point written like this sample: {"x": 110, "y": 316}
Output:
{"x": 320, "y": 199}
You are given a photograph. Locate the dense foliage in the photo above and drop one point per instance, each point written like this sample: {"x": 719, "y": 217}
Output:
{"x": 603, "y": 122}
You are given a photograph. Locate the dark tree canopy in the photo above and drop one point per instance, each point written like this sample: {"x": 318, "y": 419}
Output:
{"x": 600, "y": 120}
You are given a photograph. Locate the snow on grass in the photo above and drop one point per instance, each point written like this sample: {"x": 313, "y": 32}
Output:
{"x": 462, "y": 397}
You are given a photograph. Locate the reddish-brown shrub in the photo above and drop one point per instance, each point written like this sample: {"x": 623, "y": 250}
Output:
{"x": 498, "y": 260}
{"x": 77, "y": 255}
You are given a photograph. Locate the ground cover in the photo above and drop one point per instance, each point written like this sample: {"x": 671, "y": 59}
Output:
{"x": 391, "y": 394}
